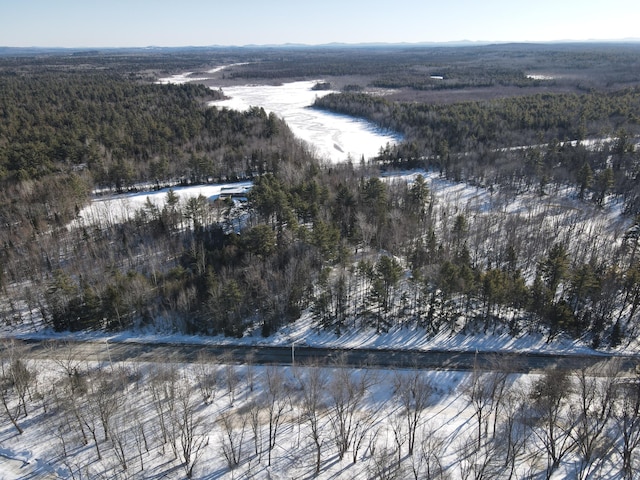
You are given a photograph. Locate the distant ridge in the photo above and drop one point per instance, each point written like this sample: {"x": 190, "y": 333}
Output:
{"x": 78, "y": 51}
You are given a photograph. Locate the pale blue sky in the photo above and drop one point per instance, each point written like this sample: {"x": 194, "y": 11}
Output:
{"x": 126, "y": 23}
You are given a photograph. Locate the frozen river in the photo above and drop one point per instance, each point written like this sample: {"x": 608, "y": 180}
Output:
{"x": 333, "y": 137}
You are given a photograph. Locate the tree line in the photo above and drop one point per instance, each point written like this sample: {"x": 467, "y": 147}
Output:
{"x": 359, "y": 252}
{"x": 124, "y": 131}
{"x": 420, "y": 68}
{"x": 520, "y": 142}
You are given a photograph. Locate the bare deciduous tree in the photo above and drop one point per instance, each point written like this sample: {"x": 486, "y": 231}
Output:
{"x": 398, "y": 428}
{"x": 313, "y": 382}
{"x": 122, "y": 441}
{"x": 364, "y": 422}
{"x": 553, "y": 422}
{"x": 206, "y": 373}
{"x": 108, "y": 396}
{"x": 626, "y": 415}
{"x": 233, "y": 428}
{"x": 485, "y": 391}
{"x": 414, "y": 391}
{"x": 140, "y": 438}
{"x": 512, "y": 433}
{"x": 477, "y": 463}
{"x": 67, "y": 357}
{"x": 275, "y": 399}
{"x": 596, "y": 392}
{"x": 15, "y": 379}
{"x": 62, "y": 433}
{"x": 427, "y": 463}
{"x": 347, "y": 391}
{"x": 383, "y": 464}
{"x": 231, "y": 377}
{"x": 89, "y": 415}
{"x": 162, "y": 386}
{"x": 68, "y": 403}
{"x": 192, "y": 431}
{"x": 256, "y": 414}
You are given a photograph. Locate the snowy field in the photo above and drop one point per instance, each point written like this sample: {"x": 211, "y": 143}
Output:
{"x": 113, "y": 209}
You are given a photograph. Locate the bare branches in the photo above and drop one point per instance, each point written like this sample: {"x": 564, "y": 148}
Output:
{"x": 396, "y": 425}
{"x": 275, "y": 401}
{"x": 313, "y": 382}
{"x": 233, "y": 426}
{"x": 192, "y": 431}
{"x": 551, "y": 397}
{"x": 15, "y": 380}
{"x": 206, "y": 372}
{"x": 414, "y": 391}
{"x": 347, "y": 391}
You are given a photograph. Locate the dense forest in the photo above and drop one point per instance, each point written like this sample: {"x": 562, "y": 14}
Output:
{"x": 519, "y": 142}
{"x": 354, "y": 247}
{"x": 65, "y": 133}
{"x": 424, "y": 67}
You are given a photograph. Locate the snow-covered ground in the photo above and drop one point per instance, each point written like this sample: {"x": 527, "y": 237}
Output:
{"x": 40, "y": 451}
{"x": 155, "y": 412}
{"x": 186, "y": 77}
{"x": 112, "y": 209}
{"x": 306, "y": 332}
{"x": 181, "y": 78}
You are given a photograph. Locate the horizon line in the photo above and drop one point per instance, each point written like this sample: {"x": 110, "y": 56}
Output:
{"x": 452, "y": 43}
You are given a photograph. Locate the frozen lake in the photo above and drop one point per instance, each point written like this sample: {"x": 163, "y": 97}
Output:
{"x": 334, "y": 137}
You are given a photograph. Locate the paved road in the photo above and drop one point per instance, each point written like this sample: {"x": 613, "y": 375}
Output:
{"x": 384, "y": 358}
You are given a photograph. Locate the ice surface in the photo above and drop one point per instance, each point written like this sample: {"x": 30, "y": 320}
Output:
{"x": 334, "y": 137}
{"x": 180, "y": 78}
